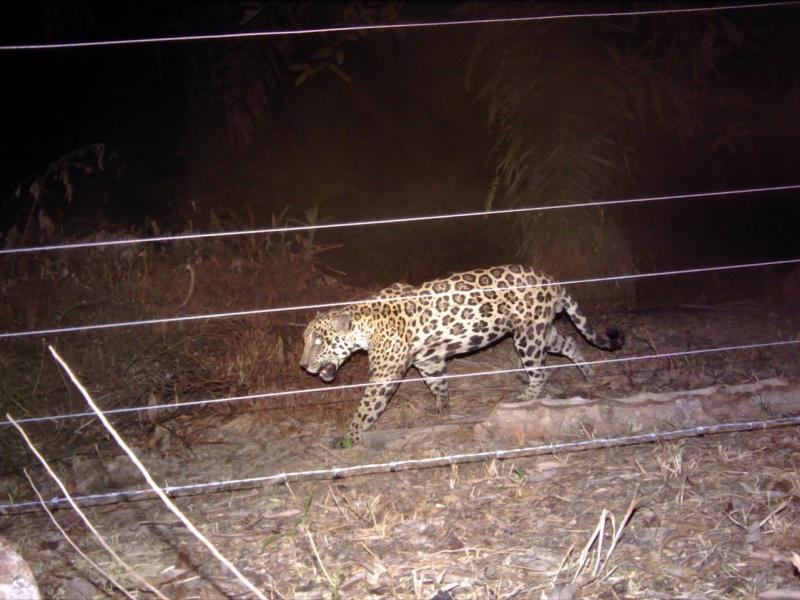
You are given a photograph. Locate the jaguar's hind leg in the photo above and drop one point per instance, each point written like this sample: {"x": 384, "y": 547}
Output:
{"x": 530, "y": 342}
{"x": 433, "y": 369}
{"x": 566, "y": 346}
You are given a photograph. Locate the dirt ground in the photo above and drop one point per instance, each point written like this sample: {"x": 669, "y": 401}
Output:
{"x": 710, "y": 517}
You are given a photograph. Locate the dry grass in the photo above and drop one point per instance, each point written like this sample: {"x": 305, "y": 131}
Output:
{"x": 609, "y": 524}
{"x": 715, "y": 517}
{"x": 151, "y": 365}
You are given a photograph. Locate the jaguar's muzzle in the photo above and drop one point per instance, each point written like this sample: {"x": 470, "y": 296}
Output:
{"x": 327, "y": 372}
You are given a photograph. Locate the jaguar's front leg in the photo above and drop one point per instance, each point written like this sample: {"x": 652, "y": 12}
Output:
{"x": 376, "y": 397}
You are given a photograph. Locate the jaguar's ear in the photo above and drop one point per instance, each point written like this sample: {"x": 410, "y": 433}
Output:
{"x": 343, "y": 321}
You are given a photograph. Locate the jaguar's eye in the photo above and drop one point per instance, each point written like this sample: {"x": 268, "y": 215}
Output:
{"x": 317, "y": 341}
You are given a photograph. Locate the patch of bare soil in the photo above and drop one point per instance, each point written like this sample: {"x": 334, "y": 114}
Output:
{"x": 709, "y": 517}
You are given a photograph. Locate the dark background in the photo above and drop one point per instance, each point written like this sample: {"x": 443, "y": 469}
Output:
{"x": 218, "y": 134}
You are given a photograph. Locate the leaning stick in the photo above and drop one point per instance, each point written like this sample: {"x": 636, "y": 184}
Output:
{"x": 86, "y": 520}
{"x": 75, "y": 546}
{"x": 155, "y": 487}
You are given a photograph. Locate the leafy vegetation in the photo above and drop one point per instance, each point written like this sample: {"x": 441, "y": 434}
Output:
{"x": 250, "y": 74}
{"x": 580, "y": 109}
{"x": 30, "y": 210}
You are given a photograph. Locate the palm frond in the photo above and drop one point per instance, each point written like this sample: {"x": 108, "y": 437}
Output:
{"x": 552, "y": 102}
{"x": 248, "y": 72}
{"x": 578, "y": 108}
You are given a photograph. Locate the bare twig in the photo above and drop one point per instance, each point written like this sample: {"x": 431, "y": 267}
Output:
{"x": 618, "y": 534}
{"x": 86, "y": 520}
{"x": 597, "y": 536}
{"x": 97, "y": 567}
{"x": 598, "y": 531}
{"x": 330, "y": 579}
{"x": 774, "y": 512}
{"x": 155, "y": 487}
{"x": 563, "y": 562}
{"x": 191, "y": 286}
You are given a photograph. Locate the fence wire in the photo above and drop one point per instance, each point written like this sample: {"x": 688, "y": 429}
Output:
{"x": 351, "y": 386}
{"x": 390, "y": 221}
{"x": 328, "y": 305}
{"x": 391, "y": 26}
{"x": 409, "y": 464}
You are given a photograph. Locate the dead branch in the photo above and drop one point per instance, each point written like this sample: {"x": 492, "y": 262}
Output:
{"x": 75, "y": 546}
{"x": 85, "y": 519}
{"x": 152, "y": 483}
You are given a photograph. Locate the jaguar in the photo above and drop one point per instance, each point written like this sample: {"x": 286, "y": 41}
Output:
{"x": 423, "y": 326}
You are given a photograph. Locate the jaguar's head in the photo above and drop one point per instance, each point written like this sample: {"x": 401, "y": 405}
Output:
{"x": 327, "y": 342}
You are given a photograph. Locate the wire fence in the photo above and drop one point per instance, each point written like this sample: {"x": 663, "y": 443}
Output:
{"x": 392, "y": 221}
{"x": 394, "y": 26}
{"x": 353, "y": 386}
{"x": 415, "y": 463}
{"x": 399, "y": 465}
{"x": 399, "y": 298}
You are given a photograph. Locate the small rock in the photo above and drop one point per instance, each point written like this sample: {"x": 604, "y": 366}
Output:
{"x": 16, "y": 578}
{"x": 79, "y": 588}
{"x": 561, "y": 592}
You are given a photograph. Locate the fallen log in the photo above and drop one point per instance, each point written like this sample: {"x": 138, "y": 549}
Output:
{"x": 551, "y": 419}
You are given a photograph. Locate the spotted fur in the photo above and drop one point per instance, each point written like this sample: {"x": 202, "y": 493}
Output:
{"x": 422, "y": 326}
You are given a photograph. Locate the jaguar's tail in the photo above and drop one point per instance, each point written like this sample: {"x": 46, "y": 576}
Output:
{"x": 614, "y": 338}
